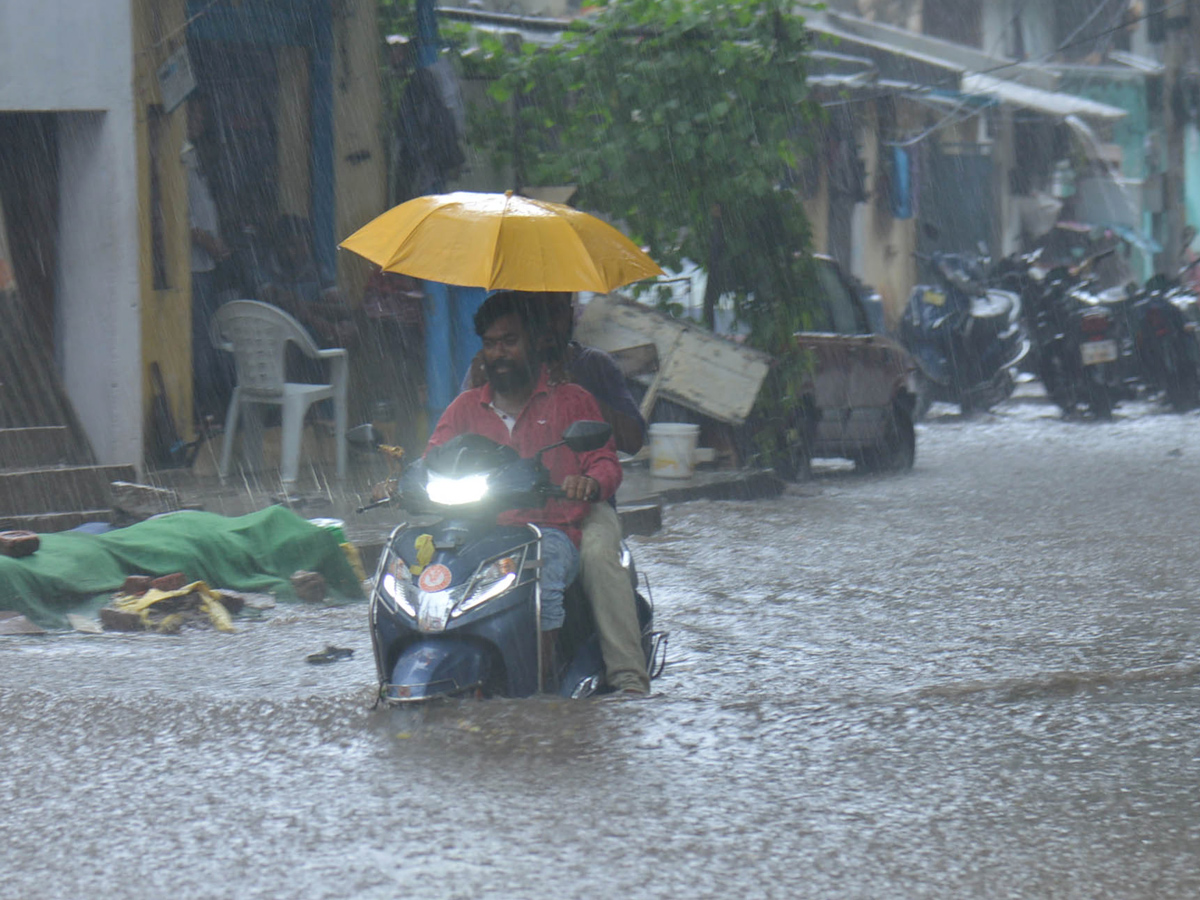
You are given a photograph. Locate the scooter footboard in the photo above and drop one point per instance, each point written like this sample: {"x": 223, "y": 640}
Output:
{"x": 437, "y": 667}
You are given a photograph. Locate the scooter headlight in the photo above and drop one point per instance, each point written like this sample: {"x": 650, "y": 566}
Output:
{"x": 491, "y": 579}
{"x": 456, "y": 491}
{"x": 397, "y": 584}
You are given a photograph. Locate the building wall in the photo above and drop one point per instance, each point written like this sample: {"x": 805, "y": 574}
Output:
{"x": 1129, "y": 94}
{"x": 1022, "y": 29}
{"x": 360, "y": 164}
{"x": 75, "y": 57}
{"x": 292, "y": 128}
{"x": 882, "y": 244}
{"x": 556, "y": 8}
{"x": 816, "y": 208}
{"x": 166, "y": 305}
{"x": 902, "y": 13}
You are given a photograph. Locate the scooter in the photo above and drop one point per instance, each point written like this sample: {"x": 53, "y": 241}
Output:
{"x": 965, "y": 339}
{"x": 1022, "y": 274}
{"x": 456, "y": 605}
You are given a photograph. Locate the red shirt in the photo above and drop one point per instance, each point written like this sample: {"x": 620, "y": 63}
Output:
{"x": 545, "y": 417}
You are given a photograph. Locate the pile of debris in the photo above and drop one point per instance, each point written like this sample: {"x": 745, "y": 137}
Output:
{"x": 168, "y": 604}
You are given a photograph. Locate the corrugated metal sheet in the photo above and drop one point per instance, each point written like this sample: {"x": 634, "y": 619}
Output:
{"x": 1052, "y": 103}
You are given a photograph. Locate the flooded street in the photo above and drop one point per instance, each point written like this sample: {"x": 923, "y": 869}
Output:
{"x": 979, "y": 679}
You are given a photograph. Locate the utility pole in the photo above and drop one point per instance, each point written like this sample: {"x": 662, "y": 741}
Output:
{"x": 1179, "y": 24}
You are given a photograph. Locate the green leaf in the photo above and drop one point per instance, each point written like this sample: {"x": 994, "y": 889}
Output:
{"x": 500, "y": 91}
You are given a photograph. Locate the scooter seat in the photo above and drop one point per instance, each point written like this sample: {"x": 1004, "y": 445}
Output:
{"x": 995, "y": 304}
{"x": 1114, "y": 296}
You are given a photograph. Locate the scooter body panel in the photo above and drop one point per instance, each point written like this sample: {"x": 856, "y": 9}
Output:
{"x": 438, "y": 667}
{"x": 503, "y": 630}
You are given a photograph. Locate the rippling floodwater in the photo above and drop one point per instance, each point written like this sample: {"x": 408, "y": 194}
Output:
{"x": 978, "y": 680}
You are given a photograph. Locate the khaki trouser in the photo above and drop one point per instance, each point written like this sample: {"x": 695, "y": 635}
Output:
{"x": 607, "y": 588}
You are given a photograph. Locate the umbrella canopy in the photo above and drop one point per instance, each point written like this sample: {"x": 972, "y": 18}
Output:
{"x": 501, "y": 242}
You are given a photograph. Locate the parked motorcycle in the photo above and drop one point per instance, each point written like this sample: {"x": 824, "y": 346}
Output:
{"x": 456, "y": 605}
{"x": 965, "y": 338}
{"x": 1079, "y": 343}
{"x": 1166, "y": 342}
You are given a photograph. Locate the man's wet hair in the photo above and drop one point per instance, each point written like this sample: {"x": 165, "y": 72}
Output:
{"x": 529, "y": 308}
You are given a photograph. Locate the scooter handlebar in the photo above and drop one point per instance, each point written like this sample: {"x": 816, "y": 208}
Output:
{"x": 377, "y": 503}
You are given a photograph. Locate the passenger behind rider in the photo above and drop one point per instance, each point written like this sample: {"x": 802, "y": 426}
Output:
{"x": 605, "y": 583}
{"x": 520, "y": 406}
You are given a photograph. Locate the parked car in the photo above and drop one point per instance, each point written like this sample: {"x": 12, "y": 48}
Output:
{"x": 857, "y": 401}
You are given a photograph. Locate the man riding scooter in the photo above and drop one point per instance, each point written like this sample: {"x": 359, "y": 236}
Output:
{"x": 604, "y": 581}
{"x": 520, "y": 407}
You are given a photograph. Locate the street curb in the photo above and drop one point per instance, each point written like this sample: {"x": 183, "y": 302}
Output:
{"x": 758, "y": 485}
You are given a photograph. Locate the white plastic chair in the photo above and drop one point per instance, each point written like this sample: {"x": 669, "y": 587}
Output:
{"x": 257, "y": 334}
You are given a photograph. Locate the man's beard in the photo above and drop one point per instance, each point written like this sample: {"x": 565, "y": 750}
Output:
{"x": 512, "y": 379}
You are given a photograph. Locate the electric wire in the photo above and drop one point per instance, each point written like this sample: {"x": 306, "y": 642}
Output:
{"x": 1086, "y": 22}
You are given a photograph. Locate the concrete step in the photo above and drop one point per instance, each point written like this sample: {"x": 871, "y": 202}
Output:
{"x": 51, "y": 522}
{"x": 28, "y": 448}
{"x": 66, "y": 489}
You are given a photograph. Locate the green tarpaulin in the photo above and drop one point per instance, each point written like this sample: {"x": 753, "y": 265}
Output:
{"x": 258, "y": 552}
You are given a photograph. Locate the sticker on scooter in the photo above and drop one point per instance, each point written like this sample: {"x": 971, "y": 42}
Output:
{"x": 435, "y": 578}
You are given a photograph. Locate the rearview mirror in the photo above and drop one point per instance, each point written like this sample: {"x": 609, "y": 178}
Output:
{"x": 585, "y": 435}
{"x": 366, "y": 436}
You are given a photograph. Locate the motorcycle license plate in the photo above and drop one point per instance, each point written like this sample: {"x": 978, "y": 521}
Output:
{"x": 1096, "y": 352}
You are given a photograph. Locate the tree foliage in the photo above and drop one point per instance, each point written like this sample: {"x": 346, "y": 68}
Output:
{"x": 682, "y": 119}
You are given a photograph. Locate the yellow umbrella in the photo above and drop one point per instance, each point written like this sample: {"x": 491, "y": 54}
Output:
{"x": 501, "y": 241}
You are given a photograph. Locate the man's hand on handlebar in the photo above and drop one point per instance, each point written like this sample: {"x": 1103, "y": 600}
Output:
{"x": 383, "y": 490}
{"x": 581, "y": 487}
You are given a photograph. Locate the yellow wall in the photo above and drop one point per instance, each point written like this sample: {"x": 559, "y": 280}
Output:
{"x": 165, "y": 313}
{"x": 886, "y": 243}
{"x": 816, "y": 208}
{"x": 293, "y": 137}
{"x": 360, "y": 165}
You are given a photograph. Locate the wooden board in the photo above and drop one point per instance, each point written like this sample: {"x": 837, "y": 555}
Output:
{"x": 635, "y": 361}
{"x": 697, "y": 369}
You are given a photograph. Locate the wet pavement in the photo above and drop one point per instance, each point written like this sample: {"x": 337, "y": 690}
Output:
{"x": 978, "y": 679}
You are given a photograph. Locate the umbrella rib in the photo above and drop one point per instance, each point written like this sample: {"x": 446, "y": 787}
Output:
{"x": 600, "y": 279}
{"x": 601, "y": 282}
{"x": 492, "y": 270}
{"x": 396, "y": 254}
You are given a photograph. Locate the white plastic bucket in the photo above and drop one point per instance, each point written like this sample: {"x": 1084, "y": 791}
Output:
{"x": 673, "y": 449}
